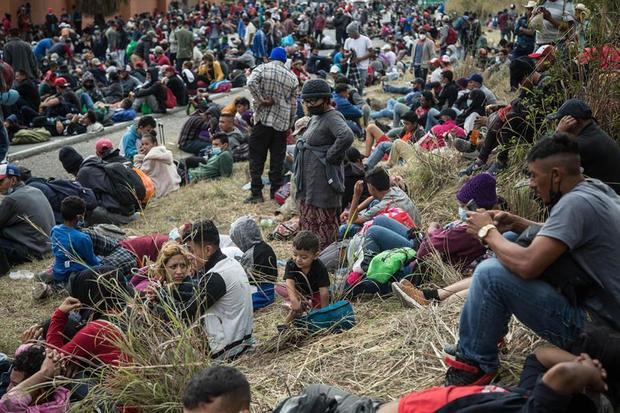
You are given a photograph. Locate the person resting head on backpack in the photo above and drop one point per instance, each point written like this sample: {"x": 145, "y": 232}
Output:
{"x": 305, "y": 276}
{"x": 157, "y": 163}
{"x": 220, "y": 163}
{"x": 220, "y": 389}
{"x": 31, "y": 385}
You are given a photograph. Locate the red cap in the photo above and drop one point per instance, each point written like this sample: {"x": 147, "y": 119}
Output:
{"x": 61, "y": 81}
{"x": 102, "y": 144}
{"x": 49, "y": 75}
{"x": 545, "y": 50}
{"x": 49, "y": 10}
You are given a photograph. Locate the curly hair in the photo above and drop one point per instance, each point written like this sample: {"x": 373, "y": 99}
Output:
{"x": 30, "y": 360}
{"x": 169, "y": 250}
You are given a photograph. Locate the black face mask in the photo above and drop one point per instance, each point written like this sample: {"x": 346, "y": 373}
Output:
{"x": 554, "y": 196}
{"x": 316, "y": 110}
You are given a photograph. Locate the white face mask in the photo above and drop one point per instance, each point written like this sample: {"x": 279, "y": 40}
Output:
{"x": 462, "y": 214}
{"x": 422, "y": 37}
{"x": 469, "y": 102}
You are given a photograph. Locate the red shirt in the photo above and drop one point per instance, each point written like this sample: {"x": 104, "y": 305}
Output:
{"x": 431, "y": 400}
{"x": 94, "y": 342}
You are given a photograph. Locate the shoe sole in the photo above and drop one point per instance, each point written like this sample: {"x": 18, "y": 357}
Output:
{"x": 406, "y": 301}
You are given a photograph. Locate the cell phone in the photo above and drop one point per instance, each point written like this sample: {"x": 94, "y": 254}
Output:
{"x": 471, "y": 205}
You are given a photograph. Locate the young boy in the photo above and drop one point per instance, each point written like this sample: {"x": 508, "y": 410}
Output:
{"x": 131, "y": 139}
{"x": 73, "y": 250}
{"x": 220, "y": 162}
{"x": 306, "y": 278}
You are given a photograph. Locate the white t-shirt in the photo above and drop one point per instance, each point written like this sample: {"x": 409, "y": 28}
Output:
{"x": 361, "y": 46}
{"x": 436, "y": 74}
{"x": 249, "y": 31}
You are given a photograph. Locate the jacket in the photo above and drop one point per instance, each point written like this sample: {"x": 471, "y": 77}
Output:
{"x": 159, "y": 166}
{"x": 344, "y": 106}
{"x": 26, "y": 219}
{"x": 17, "y": 401}
{"x": 428, "y": 52}
{"x": 129, "y": 142}
{"x": 229, "y": 321}
{"x": 92, "y": 175}
{"x": 19, "y": 55}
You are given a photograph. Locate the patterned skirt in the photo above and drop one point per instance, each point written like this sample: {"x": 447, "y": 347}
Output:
{"x": 323, "y": 222}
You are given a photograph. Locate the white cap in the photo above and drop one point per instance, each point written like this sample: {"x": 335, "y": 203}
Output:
{"x": 334, "y": 69}
{"x": 386, "y": 47}
{"x": 530, "y": 4}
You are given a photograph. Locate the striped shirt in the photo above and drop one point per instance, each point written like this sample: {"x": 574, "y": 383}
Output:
{"x": 273, "y": 80}
{"x": 561, "y": 10}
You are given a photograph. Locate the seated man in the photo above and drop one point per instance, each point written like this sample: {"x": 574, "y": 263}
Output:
{"x": 227, "y": 126}
{"x": 568, "y": 272}
{"x": 220, "y": 163}
{"x": 223, "y": 293}
{"x": 26, "y": 218}
{"x": 383, "y": 196}
{"x": 343, "y": 104}
{"x": 411, "y": 132}
{"x": 190, "y": 138}
{"x": 217, "y": 389}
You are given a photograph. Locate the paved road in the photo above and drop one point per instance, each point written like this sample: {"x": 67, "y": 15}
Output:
{"x": 47, "y": 164}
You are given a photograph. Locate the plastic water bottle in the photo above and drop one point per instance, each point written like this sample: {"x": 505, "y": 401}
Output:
{"x": 21, "y": 275}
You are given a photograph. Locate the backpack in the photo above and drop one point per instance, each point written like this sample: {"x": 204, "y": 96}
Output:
{"x": 241, "y": 152}
{"x": 387, "y": 263}
{"x": 321, "y": 398}
{"x": 336, "y": 317}
{"x": 171, "y": 100}
{"x": 149, "y": 186}
{"x": 26, "y": 136}
{"x": 285, "y": 230}
{"x": 452, "y": 37}
{"x": 220, "y": 86}
{"x": 127, "y": 187}
{"x": 56, "y": 190}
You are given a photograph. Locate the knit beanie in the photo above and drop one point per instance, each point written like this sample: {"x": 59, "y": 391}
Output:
{"x": 480, "y": 188}
{"x": 353, "y": 27}
{"x": 70, "y": 159}
{"x": 278, "y": 53}
{"x": 316, "y": 88}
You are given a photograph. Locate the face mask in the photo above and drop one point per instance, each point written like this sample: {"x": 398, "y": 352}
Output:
{"x": 423, "y": 37}
{"x": 554, "y": 196}
{"x": 216, "y": 151}
{"x": 315, "y": 110}
{"x": 462, "y": 214}
{"x": 469, "y": 101}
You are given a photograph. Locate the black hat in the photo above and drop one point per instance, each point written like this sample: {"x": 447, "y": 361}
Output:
{"x": 520, "y": 69}
{"x": 353, "y": 155}
{"x": 576, "y": 108}
{"x": 447, "y": 112}
{"x": 316, "y": 88}
{"x": 410, "y": 117}
{"x": 70, "y": 159}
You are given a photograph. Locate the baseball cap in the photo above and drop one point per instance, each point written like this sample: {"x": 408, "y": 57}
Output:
{"x": 61, "y": 81}
{"x": 334, "y": 69}
{"x": 576, "y": 108}
{"x": 545, "y": 50}
{"x": 300, "y": 125}
{"x": 445, "y": 58}
{"x": 476, "y": 77}
{"x": 447, "y": 112}
{"x": 8, "y": 169}
{"x": 103, "y": 143}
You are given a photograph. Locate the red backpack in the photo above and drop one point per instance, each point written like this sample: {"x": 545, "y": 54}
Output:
{"x": 452, "y": 37}
{"x": 171, "y": 100}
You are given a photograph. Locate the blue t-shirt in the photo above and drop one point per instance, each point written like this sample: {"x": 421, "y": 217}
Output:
{"x": 417, "y": 57}
{"x": 73, "y": 252}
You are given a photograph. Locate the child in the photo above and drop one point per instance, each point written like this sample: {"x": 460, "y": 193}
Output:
{"x": 130, "y": 143}
{"x": 306, "y": 278}
{"x": 73, "y": 250}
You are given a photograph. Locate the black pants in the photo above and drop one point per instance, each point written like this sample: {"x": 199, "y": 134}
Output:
{"x": 266, "y": 139}
{"x": 514, "y": 130}
{"x": 11, "y": 255}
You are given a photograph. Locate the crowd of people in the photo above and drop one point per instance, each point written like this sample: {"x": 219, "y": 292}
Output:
{"x": 351, "y": 214}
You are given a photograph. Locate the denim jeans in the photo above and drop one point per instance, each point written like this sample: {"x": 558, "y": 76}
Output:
{"x": 86, "y": 100}
{"x": 363, "y": 78}
{"x": 430, "y": 119}
{"x": 386, "y": 234}
{"x": 386, "y": 112}
{"x": 380, "y": 151}
{"x": 494, "y": 296}
{"x": 400, "y": 90}
{"x": 399, "y": 110}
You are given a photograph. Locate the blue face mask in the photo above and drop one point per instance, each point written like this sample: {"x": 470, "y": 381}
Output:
{"x": 216, "y": 151}
{"x": 462, "y": 214}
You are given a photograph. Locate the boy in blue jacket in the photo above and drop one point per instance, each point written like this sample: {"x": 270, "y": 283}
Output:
{"x": 131, "y": 139}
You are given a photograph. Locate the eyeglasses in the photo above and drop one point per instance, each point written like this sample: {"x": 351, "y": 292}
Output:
{"x": 311, "y": 101}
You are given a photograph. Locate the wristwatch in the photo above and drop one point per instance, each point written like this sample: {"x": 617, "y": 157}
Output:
{"x": 484, "y": 231}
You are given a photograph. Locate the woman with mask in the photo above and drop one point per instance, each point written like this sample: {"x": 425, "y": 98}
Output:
{"x": 319, "y": 170}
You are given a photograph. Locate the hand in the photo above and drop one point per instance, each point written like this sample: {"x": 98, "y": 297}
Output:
{"x": 546, "y": 13}
{"x": 69, "y": 305}
{"x": 358, "y": 189}
{"x": 566, "y": 125}
{"x": 296, "y": 305}
{"x": 504, "y": 221}
{"x": 152, "y": 290}
{"x": 433, "y": 226}
{"x": 344, "y": 217}
{"x": 52, "y": 365}
{"x": 267, "y": 102}
{"x": 477, "y": 220}
{"x": 355, "y": 60}
{"x": 481, "y": 121}
{"x": 33, "y": 333}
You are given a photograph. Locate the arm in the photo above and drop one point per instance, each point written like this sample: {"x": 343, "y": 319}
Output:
{"x": 219, "y": 75}
{"x": 293, "y": 295}
{"x": 344, "y": 139}
{"x": 87, "y": 252}
{"x": 324, "y": 294}
{"x": 213, "y": 287}
{"x": 254, "y": 84}
{"x": 226, "y": 165}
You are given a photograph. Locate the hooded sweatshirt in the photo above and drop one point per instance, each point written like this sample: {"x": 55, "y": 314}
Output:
{"x": 155, "y": 88}
{"x": 258, "y": 259}
{"x": 130, "y": 142}
{"x": 159, "y": 166}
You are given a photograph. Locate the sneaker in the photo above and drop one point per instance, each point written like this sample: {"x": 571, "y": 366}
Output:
{"x": 254, "y": 199}
{"x": 472, "y": 168}
{"x": 408, "y": 295}
{"x": 41, "y": 291}
{"x": 496, "y": 168}
{"x": 466, "y": 373}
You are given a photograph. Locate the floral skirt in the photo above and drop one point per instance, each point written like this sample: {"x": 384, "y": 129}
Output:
{"x": 323, "y": 222}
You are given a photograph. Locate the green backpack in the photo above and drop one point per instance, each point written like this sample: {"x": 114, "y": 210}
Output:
{"x": 384, "y": 265}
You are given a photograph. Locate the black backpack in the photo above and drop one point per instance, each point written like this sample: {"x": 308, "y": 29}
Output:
{"x": 56, "y": 190}
{"x": 241, "y": 152}
{"x": 127, "y": 187}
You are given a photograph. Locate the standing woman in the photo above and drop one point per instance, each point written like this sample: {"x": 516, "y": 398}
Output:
{"x": 319, "y": 169}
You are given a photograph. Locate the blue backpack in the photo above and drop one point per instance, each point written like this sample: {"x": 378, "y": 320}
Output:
{"x": 336, "y": 317}
{"x": 55, "y": 190}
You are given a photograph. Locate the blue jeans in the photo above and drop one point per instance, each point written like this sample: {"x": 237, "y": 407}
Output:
{"x": 348, "y": 230}
{"x": 430, "y": 119}
{"x": 378, "y": 154}
{"x": 86, "y": 100}
{"x": 400, "y": 90}
{"x": 386, "y": 234}
{"x": 399, "y": 110}
{"x": 387, "y": 112}
{"x": 494, "y": 296}
{"x": 4, "y": 142}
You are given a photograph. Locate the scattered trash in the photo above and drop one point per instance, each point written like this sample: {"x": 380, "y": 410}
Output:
{"x": 21, "y": 275}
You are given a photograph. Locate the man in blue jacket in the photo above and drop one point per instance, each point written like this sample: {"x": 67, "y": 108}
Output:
{"x": 343, "y": 104}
